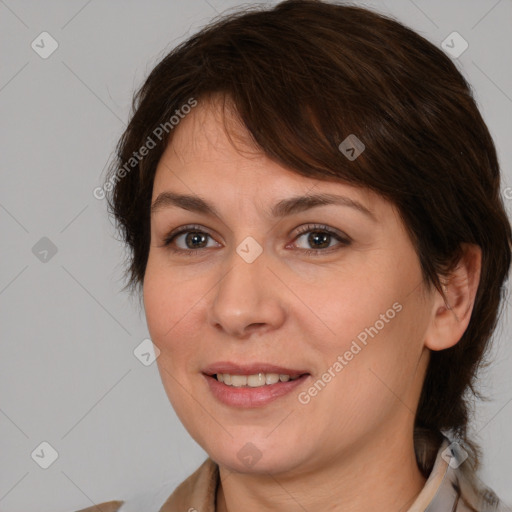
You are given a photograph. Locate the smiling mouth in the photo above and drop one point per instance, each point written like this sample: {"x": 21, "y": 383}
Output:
{"x": 255, "y": 380}
{"x": 252, "y": 389}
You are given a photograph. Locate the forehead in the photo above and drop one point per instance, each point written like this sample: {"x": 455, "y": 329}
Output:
{"x": 212, "y": 131}
{"x": 212, "y": 151}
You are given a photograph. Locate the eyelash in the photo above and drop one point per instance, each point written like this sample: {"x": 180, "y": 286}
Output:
{"x": 319, "y": 228}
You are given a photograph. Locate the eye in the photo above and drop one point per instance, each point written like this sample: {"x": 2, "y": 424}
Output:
{"x": 189, "y": 240}
{"x": 320, "y": 238}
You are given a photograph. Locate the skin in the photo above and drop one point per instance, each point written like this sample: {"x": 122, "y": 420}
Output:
{"x": 351, "y": 447}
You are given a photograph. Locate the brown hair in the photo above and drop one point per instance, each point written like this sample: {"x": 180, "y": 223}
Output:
{"x": 303, "y": 76}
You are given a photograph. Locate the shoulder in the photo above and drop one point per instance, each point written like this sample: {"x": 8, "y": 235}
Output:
{"x": 198, "y": 491}
{"x": 106, "y": 506}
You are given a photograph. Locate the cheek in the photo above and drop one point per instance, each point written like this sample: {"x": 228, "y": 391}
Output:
{"x": 351, "y": 305}
{"x": 171, "y": 306}
{"x": 373, "y": 326}
{"x": 168, "y": 298}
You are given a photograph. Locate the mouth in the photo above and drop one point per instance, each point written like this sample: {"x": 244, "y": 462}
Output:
{"x": 252, "y": 385}
{"x": 255, "y": 380}
{"x": 231, "y": 368}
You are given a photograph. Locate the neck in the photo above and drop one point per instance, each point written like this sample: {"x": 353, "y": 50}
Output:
{"x": 380, "y": 475}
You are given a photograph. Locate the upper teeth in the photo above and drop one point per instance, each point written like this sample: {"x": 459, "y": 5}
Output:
{"x": 253, "y": 381}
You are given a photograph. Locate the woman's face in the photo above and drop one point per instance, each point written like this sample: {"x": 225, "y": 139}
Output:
{"x": 333, "y": 291}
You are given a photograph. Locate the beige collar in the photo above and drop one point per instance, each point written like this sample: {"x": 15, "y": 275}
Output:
{"x": 199, "y": 490}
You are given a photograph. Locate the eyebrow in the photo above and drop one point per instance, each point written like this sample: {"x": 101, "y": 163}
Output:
{"x": 282, "y": 208}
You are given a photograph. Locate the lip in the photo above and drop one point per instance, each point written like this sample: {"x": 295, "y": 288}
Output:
{"x": 249, "y": 369}
{"x": 247, "y": 397}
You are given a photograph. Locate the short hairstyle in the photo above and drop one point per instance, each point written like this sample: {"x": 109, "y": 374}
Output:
{"x": 303, "y": 76}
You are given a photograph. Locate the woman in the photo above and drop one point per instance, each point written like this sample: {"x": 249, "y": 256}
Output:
{"x": 312, "y": 203}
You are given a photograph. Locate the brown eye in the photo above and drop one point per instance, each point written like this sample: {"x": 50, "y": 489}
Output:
{"x": 188, "y": 240}
{"x": 195, "y": 239}
{"x": 319, "y": 239}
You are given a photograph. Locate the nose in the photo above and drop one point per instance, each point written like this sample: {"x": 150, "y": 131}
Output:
{"x": 248, "y": 299}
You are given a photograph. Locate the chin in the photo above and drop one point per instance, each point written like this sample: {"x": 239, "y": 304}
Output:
{"x": 256, "y": 455}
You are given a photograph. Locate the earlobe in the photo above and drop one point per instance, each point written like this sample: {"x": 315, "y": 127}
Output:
{"x": 450, "y": 318}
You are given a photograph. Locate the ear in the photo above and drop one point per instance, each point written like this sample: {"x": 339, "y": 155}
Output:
{"x": 450, "y": 319}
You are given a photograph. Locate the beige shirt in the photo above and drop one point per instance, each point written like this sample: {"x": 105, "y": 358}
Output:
{"x": 450, "y": 487}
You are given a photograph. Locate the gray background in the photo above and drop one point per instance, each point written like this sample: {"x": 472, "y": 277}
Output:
{"x": 68, "y": 374}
